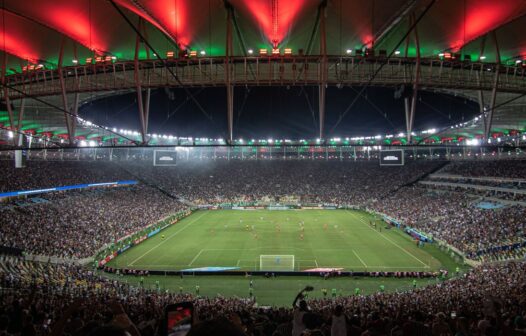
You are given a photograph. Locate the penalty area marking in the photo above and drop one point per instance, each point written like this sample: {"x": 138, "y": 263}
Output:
{"x": 164, "y": 241}
{"x": 357, "y": 256}
{"x": 207, "y": 250}
{"x": 389, "y": 240}
{"x": 195, "y": 258}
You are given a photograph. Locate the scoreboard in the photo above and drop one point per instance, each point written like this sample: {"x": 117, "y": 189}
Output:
{"x": 392, "y": 157}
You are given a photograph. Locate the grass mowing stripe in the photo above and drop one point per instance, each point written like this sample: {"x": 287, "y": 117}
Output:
{"x": 389, "y": 240}
{"x": 164, "y": 241}
{"x": 221, "y": 238}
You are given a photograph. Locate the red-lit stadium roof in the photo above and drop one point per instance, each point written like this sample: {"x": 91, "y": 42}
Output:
{"x": 35, "y": 31}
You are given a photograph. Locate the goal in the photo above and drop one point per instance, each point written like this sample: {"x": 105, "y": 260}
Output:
{"x": 276, "y": 262}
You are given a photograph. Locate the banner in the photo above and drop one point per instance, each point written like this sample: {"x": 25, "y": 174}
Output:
{"x": 278, "y": 207}
{"x": 392, "y": 157}
{"x": 154, "y": 232}
{"x": 164, "y": 157}
{"x": 417, "y": 234}
{"x": 71, "y": 187}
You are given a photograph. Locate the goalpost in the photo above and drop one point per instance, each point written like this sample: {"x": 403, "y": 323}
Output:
{"x": 276, "y": 262}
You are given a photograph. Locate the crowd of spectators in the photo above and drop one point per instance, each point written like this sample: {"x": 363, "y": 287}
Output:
{"x": 515, "y": 169}
{"x": 214, "y": 182}
{"x": 75, "y": 224}
{"x": 86, "y": 221}
{"x": 46, "y": 174}
{"x": 505, "y": 194}
{"x": 44, "y": 298}
{"x": 451, "y": 217}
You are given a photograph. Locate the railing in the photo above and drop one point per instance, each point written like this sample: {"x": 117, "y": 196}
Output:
{"x": 303, "y": 153}
{"x": 266, "y": 71}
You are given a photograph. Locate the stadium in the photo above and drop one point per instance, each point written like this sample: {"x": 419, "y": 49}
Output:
{"x": 263, "y": 167}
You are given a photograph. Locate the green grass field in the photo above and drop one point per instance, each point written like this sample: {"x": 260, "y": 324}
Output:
{"x": 202, "y": 240}
{"x": 234, "y": 238}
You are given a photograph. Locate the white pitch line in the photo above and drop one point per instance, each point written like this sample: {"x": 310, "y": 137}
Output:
{"x": 316, "y": 261}
{"x": 357, "y": 256}
{"x": 389, "y": 240}
{"x": 164, "y": 241}
{"x": 196, "y": 256}
{"x": 171, "y": 266}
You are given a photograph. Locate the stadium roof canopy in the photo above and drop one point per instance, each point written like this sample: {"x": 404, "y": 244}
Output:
{"x": 68, "y": 33}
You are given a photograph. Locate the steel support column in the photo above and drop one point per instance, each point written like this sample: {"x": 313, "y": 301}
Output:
{"x": 407, "y": 110}
{"x": 228, "y": 79}
{"x": 20, "y": 118}
{"x": 71, "y": 135}
{"x": 8, "y": 101}
{"x": 148, "y": 94}
{"x": 410, "y": 117}
{"x": 74, "y": 113}
{"x": 323, "y": 69}
{"x": 138, "y": 88}
{"x": 480, "y": 97}
{"x": 480, "y": 93}
{"x": 493, "y": 99}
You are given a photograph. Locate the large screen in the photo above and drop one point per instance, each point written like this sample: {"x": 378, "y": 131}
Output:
{"x": 164, "y": 157}
{"x": 392, "y": 157}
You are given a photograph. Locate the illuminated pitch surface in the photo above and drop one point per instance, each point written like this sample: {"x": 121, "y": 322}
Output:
{"x": 331, "y": 239}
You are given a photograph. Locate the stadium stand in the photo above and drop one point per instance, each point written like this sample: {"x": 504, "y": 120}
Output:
{"x": 77, "y": 224}
{"x": 70, "y": 300}
{"x": 373, "y": 151}
{"x": 306, "y": 181}
{"x": 43, "y": 298}
{"x": 442, "y": 211}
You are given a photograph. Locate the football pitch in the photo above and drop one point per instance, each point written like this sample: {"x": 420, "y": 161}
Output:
{"x": 279, "y": 240}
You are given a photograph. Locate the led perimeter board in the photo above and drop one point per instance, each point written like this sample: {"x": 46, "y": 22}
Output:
{"x": 164, "y": 158}
{"x": 392, "y": 157}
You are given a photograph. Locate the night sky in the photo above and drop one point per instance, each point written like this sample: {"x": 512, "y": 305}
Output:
{"x": 278, "y": 112}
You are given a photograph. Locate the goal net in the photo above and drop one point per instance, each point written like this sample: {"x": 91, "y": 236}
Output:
{"x": 276, "y": 263}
